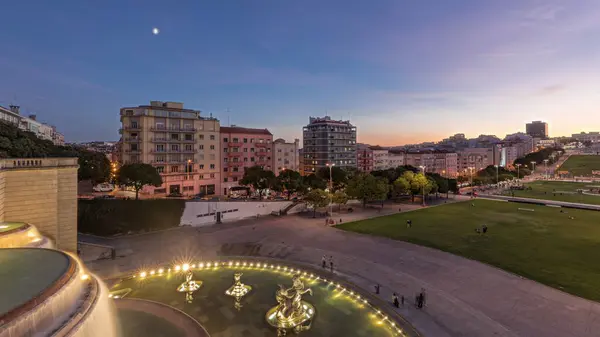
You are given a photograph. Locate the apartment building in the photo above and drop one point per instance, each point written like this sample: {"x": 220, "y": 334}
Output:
{"x": 508, "y": 155}
{"x": 328, "y": 141}
{"x": 443, "y": 163}
{"x": 593, "y": 137}
{"x": 364, "y": 159}
{"x": 380, "y": 159}
{"x": 537, "y": 129}
{"x": 243, "y": 148}
{"x": 10, "y": 115}
{"x": 395, "y": 159}
{"x": 183, "y": 146}
{"x": 477, "y": 158}
{"x": 285, "y": 155}
{"x": 31, "y": 124}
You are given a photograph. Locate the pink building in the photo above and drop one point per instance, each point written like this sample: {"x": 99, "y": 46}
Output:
{"x": 364, "y": 159}
{"x": 243, "y": 148}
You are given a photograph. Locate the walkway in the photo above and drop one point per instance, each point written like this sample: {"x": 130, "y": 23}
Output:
{"x": 465, "y": 298}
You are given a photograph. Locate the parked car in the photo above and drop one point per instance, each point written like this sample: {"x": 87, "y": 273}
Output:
{"x": 106, "y": 197}
{"x": 104, "y": 187}
{"x": 175, "y": 195}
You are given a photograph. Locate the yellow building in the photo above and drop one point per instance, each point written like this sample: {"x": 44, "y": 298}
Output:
{"x": 182, "y": 145}
{"x": 43, "y": 193}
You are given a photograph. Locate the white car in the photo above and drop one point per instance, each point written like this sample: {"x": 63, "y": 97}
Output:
{"x": 104, "y": 187}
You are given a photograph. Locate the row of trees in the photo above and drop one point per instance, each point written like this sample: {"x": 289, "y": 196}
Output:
{"x": 16, "y": 143}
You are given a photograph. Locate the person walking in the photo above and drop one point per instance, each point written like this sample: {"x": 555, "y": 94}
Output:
{"x": 402, "y": 300}
{"x": 331, "y": 263}
{"x": 377, "y": 286}
{"x": 395, "y": 300}
{"x": 324, "y": 262}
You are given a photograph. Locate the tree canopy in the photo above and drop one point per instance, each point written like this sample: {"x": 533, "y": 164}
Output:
{"x": 339, "y": 176}
{"x": 414, "y": 184}
{"x": 317, "y": 198}
{"x": 312, "y": 181}
{"x": 289, "y": 181}
{"x": 366, "y": 187}
{"x": 16, "y": 143}
{"x": 139, "y": 175}
{"x": 259, "y": 179}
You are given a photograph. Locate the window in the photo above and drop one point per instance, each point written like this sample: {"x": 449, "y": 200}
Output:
{"x": 174, "y": 147}
{"x": 212, "y": 147}
{"x": 225, "y": 140}
{"x": 201, "y": 137}
{"x": 212, "y": 166}
{"x": 202, "y": 166}
{"x": 245, "y": 159}
{"x": 278, "y": 159}
{"x": 235, "y": 140}
{"x": 189, "y": 147}
{"x": 245, "y": 140}
{"x": 174, "y": 169}
{"x": 235, "y": 149}
{"x": 212, "y": 175}
{"x": 160, "y": 148}
{"x": 174, "y": 136}
{"x": 134, "y": 125}
{"x": 201, "y": 147}
{"x": 251, "y": 149}
{"x": 212, "y": 137}
{"x": 134, "y": 147}
{"x": 235, "y": 160}
{"x": 235, "y": 179}
{"x": 245, "y": 149}
{"x": 224, "y": 160}
{"x": 236, "y": 169}
{"x": 252, "y": 159}
{"x": 251, "y": 140}
{"x": 160, "y": 169}
{"x": 224, "y": 180}
{"x": 225, "y": 150}
{"x": 278, "y": 150}
{"x": 225, "y": 169}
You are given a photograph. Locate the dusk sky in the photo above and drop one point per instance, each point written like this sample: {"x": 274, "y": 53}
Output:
{"x": 403, "y": 71}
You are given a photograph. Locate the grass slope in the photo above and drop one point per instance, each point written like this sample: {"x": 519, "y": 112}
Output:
{"x": 581, "y": 165}
{"x": 559, "y": 191}
{"x": 543, "y": 245}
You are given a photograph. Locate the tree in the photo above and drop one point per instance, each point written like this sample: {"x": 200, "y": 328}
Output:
{"x": 339, "y": 177}
{"x": 259, "y": 179}
{"x": 420, "y": 185}
{"x": 340, "y": 198}
{"x": 139, "y": 175}
{"x": 312, "y": 181}
{"x": 366, "y": 187}
{"x": 317, "y": 198}
{"x": 93, "y": 166}
{"x": 401, "y": 186}
{"x": 290, "y": 181}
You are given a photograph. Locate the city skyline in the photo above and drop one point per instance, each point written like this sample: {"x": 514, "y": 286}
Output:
{"x": 402, "y": 73}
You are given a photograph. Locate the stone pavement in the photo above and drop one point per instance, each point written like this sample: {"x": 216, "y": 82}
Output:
{"x": 465, "y": 297}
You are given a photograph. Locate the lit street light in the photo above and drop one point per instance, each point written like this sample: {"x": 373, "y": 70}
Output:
{"x": 330, "y": 165}
{"x": 423, "y": 167}
{"x": 546, "y": 168}
{"x": 496, "y": 175}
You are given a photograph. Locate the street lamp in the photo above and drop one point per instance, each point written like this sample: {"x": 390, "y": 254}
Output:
{"x": 533, "y": 166}
{"x": 448, "y": 182}
{"x": 423, "y": 167}
{"x": 472, "y": 187}
{"x": 546, "y": 168}
{"x": 518, "y": 175}
{"x": 330, "y": 165}
{"x": 496, "y": 175}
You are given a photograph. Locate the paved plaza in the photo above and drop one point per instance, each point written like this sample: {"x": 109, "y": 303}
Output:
{"x": 465, "y": 297}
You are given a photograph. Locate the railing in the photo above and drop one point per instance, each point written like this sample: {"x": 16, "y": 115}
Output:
{"x": 23, "y": 163}
{"x": 132, "y": 127}
{"x": 133, "y": 151}
{"x": 173, "y": 128}
{"x": 235, "y": 144}
{"x": 262, "y": 144}
{"x": 132, "y": 139}
{"x": 234, "y": 154}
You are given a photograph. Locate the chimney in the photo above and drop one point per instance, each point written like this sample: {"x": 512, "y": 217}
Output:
{"x": 33, "y": 117}
{"x": 14, "y": 108}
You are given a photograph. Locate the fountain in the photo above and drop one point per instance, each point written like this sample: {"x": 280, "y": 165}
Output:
{"x": 292, "y": 313}
{"x": 238, "y": 290}
{"x": 189, "y": 287}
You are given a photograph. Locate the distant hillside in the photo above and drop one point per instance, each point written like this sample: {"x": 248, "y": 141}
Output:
{"x": 16, "y": 143}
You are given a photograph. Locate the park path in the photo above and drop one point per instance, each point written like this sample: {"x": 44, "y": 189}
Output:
{"x": 465, "y": 297}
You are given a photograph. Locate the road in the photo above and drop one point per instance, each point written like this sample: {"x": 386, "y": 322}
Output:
{"x": 465, "y": 297}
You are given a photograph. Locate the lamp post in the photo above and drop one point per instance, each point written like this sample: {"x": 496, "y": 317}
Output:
{"x": 330, "y": 165}
{"x": 472, "y": 187}
{"x": 546, "y": 168}
{"x": 533, "y": 166}
{"x": 518, "y": 175}
{"x": 496, "y": 175}
{"x": 423, "y": 167}
{"x": 447, "y": 183}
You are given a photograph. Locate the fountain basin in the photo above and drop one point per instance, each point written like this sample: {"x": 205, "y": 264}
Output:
{"x": 21, "y": 234}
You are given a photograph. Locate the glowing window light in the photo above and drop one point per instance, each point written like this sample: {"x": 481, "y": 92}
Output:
{"x": 177, "y": 268}
{"x": 185, "y": 267}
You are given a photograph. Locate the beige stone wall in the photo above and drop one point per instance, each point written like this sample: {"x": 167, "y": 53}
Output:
{"x": 44, "y": 195}
{"x": 1, "y": 196}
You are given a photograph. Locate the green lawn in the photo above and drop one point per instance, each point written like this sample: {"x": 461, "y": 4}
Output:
{"x": 559, "y": 191}
{"x": 543, "y": 245}
{"x": 581, "y": 165}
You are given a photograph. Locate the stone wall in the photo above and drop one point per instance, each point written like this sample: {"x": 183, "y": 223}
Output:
{"x": 42, "y": 192}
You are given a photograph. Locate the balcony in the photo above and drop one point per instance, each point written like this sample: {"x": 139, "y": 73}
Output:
{"x": 189, "y": 141}
{"x": 132, "y": 139}
{"x": 159, "y": 140}
{"x": 235, "y": 144}
{"x": 262, "y": 153}
{"x": 234, "y": 154}
{"x": 132, "y": 127}
{"x": 262, "y": 144}
{"x": 138, "y": 151}
{"x": 173, "y": 128}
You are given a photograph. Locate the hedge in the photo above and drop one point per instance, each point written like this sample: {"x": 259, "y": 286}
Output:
{"x": 114, "y": 217}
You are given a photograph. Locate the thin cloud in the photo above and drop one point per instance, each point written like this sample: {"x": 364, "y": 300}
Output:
{"x": 552, "y": 89}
